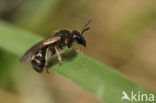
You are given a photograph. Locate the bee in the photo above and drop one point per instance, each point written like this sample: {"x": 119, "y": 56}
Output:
{"x": 39, "y": 54}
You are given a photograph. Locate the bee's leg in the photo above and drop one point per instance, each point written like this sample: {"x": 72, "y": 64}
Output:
{"x": 47, "y": 59}
{"x": 59, "y": 54}
{"x": 75, "y": 48}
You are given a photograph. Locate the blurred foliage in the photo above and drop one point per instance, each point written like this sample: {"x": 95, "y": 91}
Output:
{"x": 122, "y": 35}
{"x": 131, "y": 28}
{"x": 47, "y": 15}
{"x": 33, "y": 14}
{"x": 97, "y": 78}
{"x": 7, "y": 61}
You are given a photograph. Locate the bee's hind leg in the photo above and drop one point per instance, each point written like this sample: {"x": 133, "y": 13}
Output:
{"x": 59, "y": 54}
{"x": 47, "y": 59}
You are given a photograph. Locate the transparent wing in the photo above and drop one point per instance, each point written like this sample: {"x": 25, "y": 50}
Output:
{"x": 38, "y": 46}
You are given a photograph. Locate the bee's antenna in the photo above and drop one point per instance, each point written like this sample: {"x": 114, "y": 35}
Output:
{"x": 85, "y": 28}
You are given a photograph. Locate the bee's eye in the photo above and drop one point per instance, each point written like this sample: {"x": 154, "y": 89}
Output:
{"x": 76, "y": 37}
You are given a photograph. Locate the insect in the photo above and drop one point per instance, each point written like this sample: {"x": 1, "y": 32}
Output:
{"x": 40, "y": 53}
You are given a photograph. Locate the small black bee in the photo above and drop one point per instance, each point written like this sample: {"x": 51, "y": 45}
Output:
{"x": 40, "y": 53}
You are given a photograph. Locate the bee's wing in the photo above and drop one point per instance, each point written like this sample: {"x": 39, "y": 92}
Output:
{"x": 38, "y": 47}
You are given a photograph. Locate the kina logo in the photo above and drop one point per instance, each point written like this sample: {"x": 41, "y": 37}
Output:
{"x": 137, "y": 96}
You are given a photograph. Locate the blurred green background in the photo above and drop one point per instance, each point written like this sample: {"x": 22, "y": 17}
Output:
{"x": 122, "y": 35}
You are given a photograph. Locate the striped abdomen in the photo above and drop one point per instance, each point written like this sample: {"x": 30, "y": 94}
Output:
{"x": 38, "y": 60}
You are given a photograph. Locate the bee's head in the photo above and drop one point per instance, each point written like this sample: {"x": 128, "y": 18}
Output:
{"x": 78, "y": 37}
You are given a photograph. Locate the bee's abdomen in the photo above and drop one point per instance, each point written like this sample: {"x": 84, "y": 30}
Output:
{"x": 38, "y": 60}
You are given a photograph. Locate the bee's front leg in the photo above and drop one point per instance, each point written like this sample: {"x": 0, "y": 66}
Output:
{"x": 59, "y": 54}
{"x": 75, "y": 48}
{"x": 47, "y": 59}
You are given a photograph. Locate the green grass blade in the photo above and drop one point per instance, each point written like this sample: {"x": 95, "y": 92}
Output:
{"x": 98, "y": 79}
